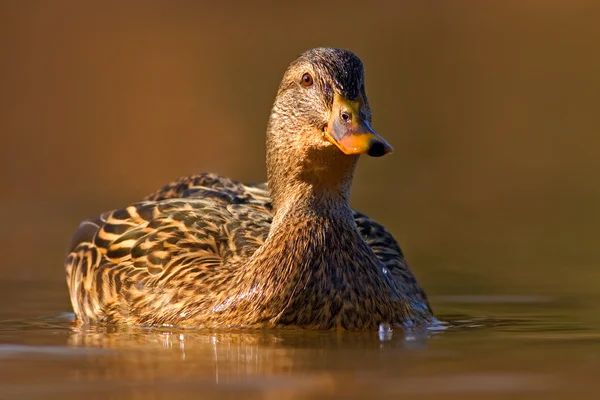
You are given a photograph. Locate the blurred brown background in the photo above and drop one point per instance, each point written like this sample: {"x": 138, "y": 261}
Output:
{"x": 492, "y": 108}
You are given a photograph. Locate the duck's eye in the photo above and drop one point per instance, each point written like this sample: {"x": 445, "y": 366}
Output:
{"x": 307, "y": 79}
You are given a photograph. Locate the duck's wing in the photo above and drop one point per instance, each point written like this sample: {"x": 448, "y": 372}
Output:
{"x": 208, "y": 184}
{"x": 128, "y": 264}
{"x": 389, "y": 253}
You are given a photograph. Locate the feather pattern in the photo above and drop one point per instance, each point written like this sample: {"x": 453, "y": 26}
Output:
{"x": 171, "y": 258}
{"x": 206, "y": 251}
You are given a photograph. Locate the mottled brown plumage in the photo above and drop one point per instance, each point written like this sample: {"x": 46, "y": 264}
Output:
{"x": 208, "y": 251}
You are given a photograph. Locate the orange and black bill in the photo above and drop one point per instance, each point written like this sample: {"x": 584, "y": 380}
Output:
{"x": 350, "y": 133}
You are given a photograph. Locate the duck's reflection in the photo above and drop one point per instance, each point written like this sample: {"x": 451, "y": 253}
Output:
{"x": 225, "y": 356}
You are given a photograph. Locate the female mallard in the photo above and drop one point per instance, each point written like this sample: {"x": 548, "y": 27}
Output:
{"x": 208, "y": 251}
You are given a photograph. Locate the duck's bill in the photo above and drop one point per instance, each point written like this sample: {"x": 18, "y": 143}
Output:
{"x": 350, "y": 133}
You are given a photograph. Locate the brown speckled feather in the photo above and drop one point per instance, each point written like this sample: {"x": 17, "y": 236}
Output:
{"x": 145, "y": 263}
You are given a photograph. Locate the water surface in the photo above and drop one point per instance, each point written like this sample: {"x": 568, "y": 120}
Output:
{"x": 489, "y": 347}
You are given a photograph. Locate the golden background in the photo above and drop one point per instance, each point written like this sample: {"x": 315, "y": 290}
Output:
{"x": 492, "y": 108}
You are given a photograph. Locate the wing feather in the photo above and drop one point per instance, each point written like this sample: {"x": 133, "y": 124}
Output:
{"x": 146, "y": 257}
{"x": 119, "y": 261}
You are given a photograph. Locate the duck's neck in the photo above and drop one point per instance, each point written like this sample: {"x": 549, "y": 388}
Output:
{"x": 304, "y": 200}
{"x": 313, "y": 224}
{"x": 307, "y": 212}
{"x": 304, "y": 172}
{"x": 309, "y": 182}
{"x": 304, "y": 239}
{"x": 308, "y": 186}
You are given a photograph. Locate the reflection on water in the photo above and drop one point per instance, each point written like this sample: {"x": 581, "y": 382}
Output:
{"x": 225, "y": 355}
{"x": 488, "y": 347}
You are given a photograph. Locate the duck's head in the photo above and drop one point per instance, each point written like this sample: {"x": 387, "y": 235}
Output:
{"x": 320, "y": 124}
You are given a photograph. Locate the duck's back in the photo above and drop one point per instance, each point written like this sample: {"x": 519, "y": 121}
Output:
{"x": 140, "y": 264}
{"x": 130, "y": 265}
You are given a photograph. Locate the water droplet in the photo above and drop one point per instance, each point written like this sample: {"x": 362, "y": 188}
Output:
{"x": 385, "y": 331}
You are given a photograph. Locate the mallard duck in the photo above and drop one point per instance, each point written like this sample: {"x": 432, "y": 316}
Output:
{"x": 206, "y": 251}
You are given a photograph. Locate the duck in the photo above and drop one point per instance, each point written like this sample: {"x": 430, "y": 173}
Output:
{"x": 206, "y": 251}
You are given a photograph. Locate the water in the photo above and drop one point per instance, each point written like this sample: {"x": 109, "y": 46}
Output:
{"x": 487, "y": 347}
